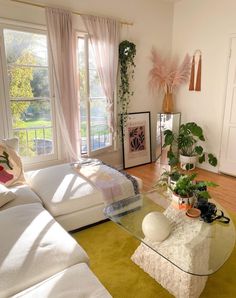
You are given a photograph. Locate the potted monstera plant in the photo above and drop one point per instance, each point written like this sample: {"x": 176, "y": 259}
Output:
{"x": 189, "y": 148}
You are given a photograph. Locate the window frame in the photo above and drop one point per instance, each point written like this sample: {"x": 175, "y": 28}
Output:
{"x": 112, "y": 146}
{"x": 7, "y": 130}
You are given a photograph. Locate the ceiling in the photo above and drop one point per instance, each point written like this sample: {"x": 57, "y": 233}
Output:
{"x": 174, "y": 1}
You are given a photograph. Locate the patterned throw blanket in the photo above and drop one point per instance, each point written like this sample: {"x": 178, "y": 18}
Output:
{"x": 115, "y": 185}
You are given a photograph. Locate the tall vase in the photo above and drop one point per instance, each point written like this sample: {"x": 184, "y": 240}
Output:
{"x": 167, "y": 105}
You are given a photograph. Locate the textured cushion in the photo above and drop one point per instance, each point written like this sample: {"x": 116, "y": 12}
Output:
{"x": 5, "y": 195}
{"x": 11, "y": 169}
{"x": 75, "y": 282}
{"x": 35, "y": 247}
{"x": 12, "y": 142}
{"x": 23, "y": 195}
{"x": 62, "y": 190}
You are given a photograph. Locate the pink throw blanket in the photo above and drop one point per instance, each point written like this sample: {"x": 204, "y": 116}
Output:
{"x": 113, "y": 184}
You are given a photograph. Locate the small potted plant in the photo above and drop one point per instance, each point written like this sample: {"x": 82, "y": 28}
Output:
{"x": 186, "y": 189}
{"x": 190, "y": 152}
{"x": 183, "y": 191}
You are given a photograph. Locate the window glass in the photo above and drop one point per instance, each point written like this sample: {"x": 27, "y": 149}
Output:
{"x": 28, "y": 82}
{"x": 29, "y": 92}
{"x": 19, "y": 44}
{"x": 93, "y": 103}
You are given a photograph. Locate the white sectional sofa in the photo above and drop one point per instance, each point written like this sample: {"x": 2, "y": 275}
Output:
{"x": 73, "y": 200}
{"x": 38, "y": 257}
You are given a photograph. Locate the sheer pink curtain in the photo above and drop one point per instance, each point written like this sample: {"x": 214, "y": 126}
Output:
{"x": 62, "y": 43}
{"x": 104, "y": 38}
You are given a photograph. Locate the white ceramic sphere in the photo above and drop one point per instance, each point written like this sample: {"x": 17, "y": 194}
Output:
{"x": 156, "y": 227}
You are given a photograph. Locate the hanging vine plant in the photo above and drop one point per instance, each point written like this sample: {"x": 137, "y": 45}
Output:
{"x": 127, "y": 52}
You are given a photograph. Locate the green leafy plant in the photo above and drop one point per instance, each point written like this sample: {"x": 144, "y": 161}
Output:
{"x": 185, "y": 184}
{"x": 187, "y": 142}
{"x": 127, "y": 52}
{"x": 167, "y": 177}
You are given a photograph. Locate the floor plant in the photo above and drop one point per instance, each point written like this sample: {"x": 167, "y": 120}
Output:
{"x": 188, "y": 143}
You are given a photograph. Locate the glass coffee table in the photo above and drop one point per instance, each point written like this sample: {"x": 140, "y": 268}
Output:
{"x": 193, "y": 250}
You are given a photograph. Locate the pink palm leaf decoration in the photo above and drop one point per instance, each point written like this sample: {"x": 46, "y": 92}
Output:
{"x": 159, "y": 73}
{"x": 181, "y": 75}
{"x": 165, "y": 74}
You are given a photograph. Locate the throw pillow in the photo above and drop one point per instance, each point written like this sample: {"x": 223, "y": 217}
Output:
{"x": 12, "y": 142}
{"x": 5, "y": 195}
{"x": 11, "y": 169}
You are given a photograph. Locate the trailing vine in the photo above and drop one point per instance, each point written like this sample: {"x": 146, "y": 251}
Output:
{"x": 127, "y": 52}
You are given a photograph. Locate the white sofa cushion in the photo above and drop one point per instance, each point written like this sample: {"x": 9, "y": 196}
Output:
{"x": 5, "y": 195}
{"x": 74, "y": 282}
{"x": 23, "y": 195}
{"x": 81, "y": 218}
{"x": 62, "y": 190}
{"x": 33, "y": 247}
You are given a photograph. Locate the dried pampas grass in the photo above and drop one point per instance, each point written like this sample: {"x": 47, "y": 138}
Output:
{"x": 165, "y": 74}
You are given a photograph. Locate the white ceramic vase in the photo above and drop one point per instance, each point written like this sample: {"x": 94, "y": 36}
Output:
{"x": 181, "y": 202}
{"x": 185, "y": 160}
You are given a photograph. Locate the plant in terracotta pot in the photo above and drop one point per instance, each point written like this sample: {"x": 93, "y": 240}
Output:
{"x": 190, "y": 151}
{"x": 184, "y": 188}
{"x": 167, "y": 76}
{"x": 187, "y": 190}
{"x": 183, "y": 191}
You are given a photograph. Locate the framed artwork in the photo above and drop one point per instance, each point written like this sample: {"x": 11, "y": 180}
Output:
{"x": 137, "y": 140}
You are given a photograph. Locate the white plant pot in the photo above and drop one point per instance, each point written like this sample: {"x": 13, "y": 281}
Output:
{"x": 156, "y": 226}
{"x": 182, "y": 203}
{"x": 184, "y": 160}
{"x": 172, "y": 183}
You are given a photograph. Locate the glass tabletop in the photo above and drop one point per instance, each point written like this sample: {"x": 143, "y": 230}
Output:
{"x": 193, "y": 246}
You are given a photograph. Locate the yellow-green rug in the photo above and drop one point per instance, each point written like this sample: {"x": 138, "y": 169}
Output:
{"x": 110, "y": 248}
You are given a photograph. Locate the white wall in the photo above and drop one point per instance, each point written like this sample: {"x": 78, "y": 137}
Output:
{"x": 152, "y": 27}
{"x": 206, "y": 25}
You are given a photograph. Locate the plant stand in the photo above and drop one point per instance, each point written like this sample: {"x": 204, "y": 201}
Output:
{"x": 174, "y": 280}
{"x": 166, "y": 121}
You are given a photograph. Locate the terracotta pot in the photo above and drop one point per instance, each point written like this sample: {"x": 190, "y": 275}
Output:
{"x": 187, "y": 160}
{"x": 167, "y": 105}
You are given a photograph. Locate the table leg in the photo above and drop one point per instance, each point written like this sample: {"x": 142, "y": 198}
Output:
{"x": 177, "y": 282}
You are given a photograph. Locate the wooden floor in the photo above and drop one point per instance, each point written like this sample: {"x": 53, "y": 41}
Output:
{"x": 225, "y": 193}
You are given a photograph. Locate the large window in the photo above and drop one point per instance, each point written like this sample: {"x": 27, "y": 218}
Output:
{"x": 95, "y": 132}
{"x": 28, "y": 100}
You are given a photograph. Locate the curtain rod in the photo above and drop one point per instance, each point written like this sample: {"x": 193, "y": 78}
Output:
{"x": 74, "y": 12}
